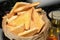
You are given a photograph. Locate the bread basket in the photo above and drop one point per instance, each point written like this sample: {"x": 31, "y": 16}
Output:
{"x": 40, "y": 36}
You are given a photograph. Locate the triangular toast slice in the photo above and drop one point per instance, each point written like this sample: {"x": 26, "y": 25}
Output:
{"x": 27, "y": 18}
{"x": 28, "y": 33}
{"x": 18, "y": 4}
{"x": 37, "y": 20}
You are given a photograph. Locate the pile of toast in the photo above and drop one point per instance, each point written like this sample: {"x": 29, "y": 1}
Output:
{"x": 24, "y": 19}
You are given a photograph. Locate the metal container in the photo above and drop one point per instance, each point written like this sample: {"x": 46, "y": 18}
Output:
{"x": 55, "y": 20}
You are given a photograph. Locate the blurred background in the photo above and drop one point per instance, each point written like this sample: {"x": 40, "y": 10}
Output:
{"x": 6, "y": 5}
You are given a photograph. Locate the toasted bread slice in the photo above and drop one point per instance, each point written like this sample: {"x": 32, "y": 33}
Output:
{"x": 18, "y": 4}
{"x": 17, "y": 30}
{"x": 26, "y": 7}
{"x": 17, "y": 21}
{"x": 37, "y": 20}
{"x": 30, "y": 32}
{"x": 27, "y": 18}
